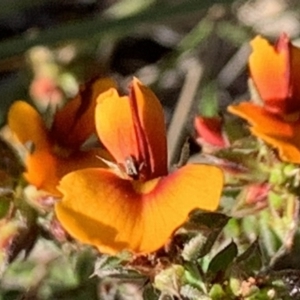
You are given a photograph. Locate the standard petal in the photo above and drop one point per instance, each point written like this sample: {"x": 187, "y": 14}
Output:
{"x": 295, "y": 73}
{"x": 134, "y": 127}
{"x": 282, "y": 134}
{"x": 113, "y": 214}
{"x": 270, "y": 70}
{"x": 27, "y": 124}
{"x": 114, "y": 126}
{"x": 74, "y": 123}
{"x": 152, "y": 121}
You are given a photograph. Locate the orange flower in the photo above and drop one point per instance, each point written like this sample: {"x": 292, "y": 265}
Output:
{"x": 56, "y": 150}
{"x": 274, "y": 73}
{"x": 273, "y": 129}
{"x": 139, "y": 207}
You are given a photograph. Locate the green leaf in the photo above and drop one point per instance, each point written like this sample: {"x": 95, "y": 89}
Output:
{"x": 4, "y": 206}
{"x": 82, "y": 292}
{"x": 189, "y": 292}
{"x": 222, "y": 260}
{"x": 84, "y": 265}
{"x": 150, "y": 293}
{"x": 207, "y": 227}
{"x": 107, "y": 263}
{"x": 217, "y": 292}
{"x": 112, "y": 266}
{"x": 195, "y": 248}
{"x": 169, "y": 280}
{"x": 200, "y": 220}
{"x": 251, "y": 260}
{"x": 209, "y": 101}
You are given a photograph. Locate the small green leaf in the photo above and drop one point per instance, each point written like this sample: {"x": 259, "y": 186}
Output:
{"x": 209, "y": 101}
{"x": 209, "y": 220}
{"x": 207, "y": 227}
{"x": 251, "y": 260}
{"x": 189, "y": 292}
{"x": 112, "y": 266}
{"x": 170, "y": 279}
{"x": 223, "y": 259}
{"x": 150, "y": 293}
{"x": 107, "y": 264}
{"x": 194, "y": 248}
{"x": 217, "y": 292}
{"x": 84, "y": 264}
{"x": 4, "y": 206}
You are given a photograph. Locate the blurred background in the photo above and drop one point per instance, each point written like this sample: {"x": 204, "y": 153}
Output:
{"x": 192, "y": 53}
{"x": 48, "y": 47}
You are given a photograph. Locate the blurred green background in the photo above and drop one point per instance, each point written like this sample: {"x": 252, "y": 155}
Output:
{"x": 193, "y": 53}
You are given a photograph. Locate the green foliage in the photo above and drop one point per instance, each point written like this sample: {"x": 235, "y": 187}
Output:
{"x": 222, "y": 260}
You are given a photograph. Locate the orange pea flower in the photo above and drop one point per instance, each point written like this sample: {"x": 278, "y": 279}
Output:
{"x": 140, "y": 206}
{"x": 56, "y": 151}
{"x": 275, "y": 74}
{"x": 274, "y": 71}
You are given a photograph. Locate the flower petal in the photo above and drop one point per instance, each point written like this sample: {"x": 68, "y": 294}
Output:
{"x": 115, "y": 125}
{"x": 210, "y": 129}
{"x": 152, "y": 122}
{"x": 74, "y": 123}
{"x": 270, "y": 71}
{"x": 133, "y": 127}
{"x": 280, "y": 133}
{"x": 41, "y": 171}
{"x": 45, "y": 170}
{"x": 295, "y": 82}
{"x": 27, "y": 124}
{"x": 114, "y": 214}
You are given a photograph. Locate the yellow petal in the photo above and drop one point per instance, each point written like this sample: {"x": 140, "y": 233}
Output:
{"x": 113, "y": 214}
{"x": 27, "y": 124}
{"x": 273, "y": 129}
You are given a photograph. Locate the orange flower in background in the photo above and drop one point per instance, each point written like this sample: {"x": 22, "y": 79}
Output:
{"x": 140, "y": 206}
{"x": 275, "y": 72}
{"x": 56, "y": 151}
{"x": 273, "y": 129}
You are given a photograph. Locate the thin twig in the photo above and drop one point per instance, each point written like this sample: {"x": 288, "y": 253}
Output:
{"x": 177, "y": 128}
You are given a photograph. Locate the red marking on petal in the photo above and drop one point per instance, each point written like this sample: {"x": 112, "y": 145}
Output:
{"x": 142, "y": 144}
